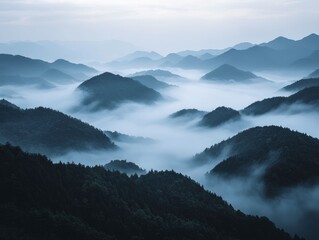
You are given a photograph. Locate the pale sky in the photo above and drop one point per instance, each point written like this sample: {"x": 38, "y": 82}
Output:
{"x": 160, "y": 25}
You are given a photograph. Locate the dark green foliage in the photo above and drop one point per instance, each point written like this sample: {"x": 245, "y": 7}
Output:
{"x": 151, "y": 82}
{"x": 41, "y": 200}
{"x": 108, "y": 90}
{"x": 124, "y": 167}
{"x": 288, "y": 158}
{"x": 228, "y": 73}
{"x": 48, "y": 131}
{"x": 307, "y": 96}
{"x": 302, "y": 84}
{"x": 187, "y": 113}
{"x": 219, "y": 116}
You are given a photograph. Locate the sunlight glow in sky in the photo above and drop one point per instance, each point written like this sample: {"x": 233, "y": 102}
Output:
{"x": 161, "y": 25}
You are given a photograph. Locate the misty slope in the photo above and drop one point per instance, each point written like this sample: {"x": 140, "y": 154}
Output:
{"x": 227, "y": 73}
{"x": 302, "y": 84}
{"x": 107, "y": 91}
{"x": 121, "y": 137}
{"x": 151, "y": 82}
{"x": 68, "y": 201}
{"x": 123, "y": 166}
{"x": 219, "y": 116}
{"x": 48, "y": 131}
{"x": 308, "y": 62}
{"x": 56, "y": 76}
{"x": 14, "y": 80}
{"x": 187, "y": 114}
{"x": 27, "y": 67}
{"x": 158, "y": 74}
{"x": 314, "y": 74}
{"x": 281, "y": 157}
{"x": 307, "y": 96}
{"x": 189, "y": 62}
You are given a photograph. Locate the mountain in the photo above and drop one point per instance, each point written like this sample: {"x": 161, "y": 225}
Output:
{"x": 314, "y": 74}
{"x": 206, "y": 56}
{"x": 219, "y": 116}
{"x": 120, "y": 137}
{"x": 48, "y": 131}
{"x": 107, "y": 91}
{"x": 13, "y": 65}
{"x": 187, "y": 113}
{"x": 201, "y": 52}
{"x": 151, "y": 82}
{"x": 307, "y": 96}
{"x": 281, "y": 158}
{"x": 12, "y": 80}
{"x": 308, "y": 62}
{"x": 123, "y": 166}
{"x": 228, "y": 73}
{"x": 243, "y": 46}
{"x": 158, "y": 74}
{"x": 42, "y": 200}
{"x": 280, "y": 43}
{"x": 189, "y": 62}
{"x": 140, "y": 54}
{"x": 56, "y": 76}
{"x": 302, "y": 84}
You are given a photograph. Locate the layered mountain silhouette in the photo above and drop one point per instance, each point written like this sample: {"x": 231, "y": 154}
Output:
{"x": 107, "y": 91}
{"x": 227, "y": 73}
{"x": 307, "y": 96}
{"x": 48, "y": 131}
{"x": 189, "y": 62}
{"x": 314, "y": 74}
{"x": 302, "y": 84}
{"x": 42, "y": 200}
{"x": 308, "y": 62}
{"x": 15, "y": 65}
{"x": 14, "y": 80}
{"x": 123, "y": 166}
{"x": 281, "y": 158}
{"x": 121, "y": 137}
{"x": 219, "y": 116}
{"x": 151, "y": 82}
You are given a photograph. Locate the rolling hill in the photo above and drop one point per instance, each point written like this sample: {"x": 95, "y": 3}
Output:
{"x": 107, "y": 91}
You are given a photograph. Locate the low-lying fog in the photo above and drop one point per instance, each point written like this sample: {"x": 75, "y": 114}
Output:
{"x": 176, "y": 141}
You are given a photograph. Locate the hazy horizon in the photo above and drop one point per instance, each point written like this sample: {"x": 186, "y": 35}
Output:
{"x": 161, "y": 26}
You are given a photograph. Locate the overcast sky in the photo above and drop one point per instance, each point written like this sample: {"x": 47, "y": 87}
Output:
{"x": 161, "y": 25}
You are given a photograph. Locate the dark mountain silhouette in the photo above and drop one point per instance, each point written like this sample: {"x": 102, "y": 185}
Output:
{"x": 302, "y": 84}
{"x": 283, "y": 158}
{"x": 228, "y": 73}
{"x": 107, "y": 91}
{"x": 48, "y": 131}
{"x": 14, "y": 80}
{"x": 42, "y": 200}
{"x": 6, "y": 103}
{"x": 308, "y": 62}
{"x": 123, "y": 166}
{"x": 189, "y": 62}
{"x": 15, "y": 65}
{"x": 314, "y": 74}
{"x": 120, "y": 137}
{"x": 219, "y": 116}
{"x": 56, "y": 76}
{"x": 187, "y": 113}
{"x": 307, "y": 96}
{"x": 151, "y": 82}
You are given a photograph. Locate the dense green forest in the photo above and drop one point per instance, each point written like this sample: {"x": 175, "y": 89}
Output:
{"x": 48, "y": 131}
{"x": 42, "y": 200}
{"x": 288, "y": 158}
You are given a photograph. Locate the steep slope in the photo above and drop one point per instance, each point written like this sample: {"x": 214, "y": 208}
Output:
{"x": 151, "y": 82}
{"x": 281, "y": 157}
{"x": 228, "y": 73}
{"x": 107, "y": 91}
{"x": 56, "y": 76}
{"x": 314, "y": 74}
{"x": 187, "y": 114}
{"x": 219, "y": 116}
{"x": 48, "y": 131}
{"x": 302, "y": 84}
{"x": 307, "y": 96}
{"x": 41, "y": 200}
